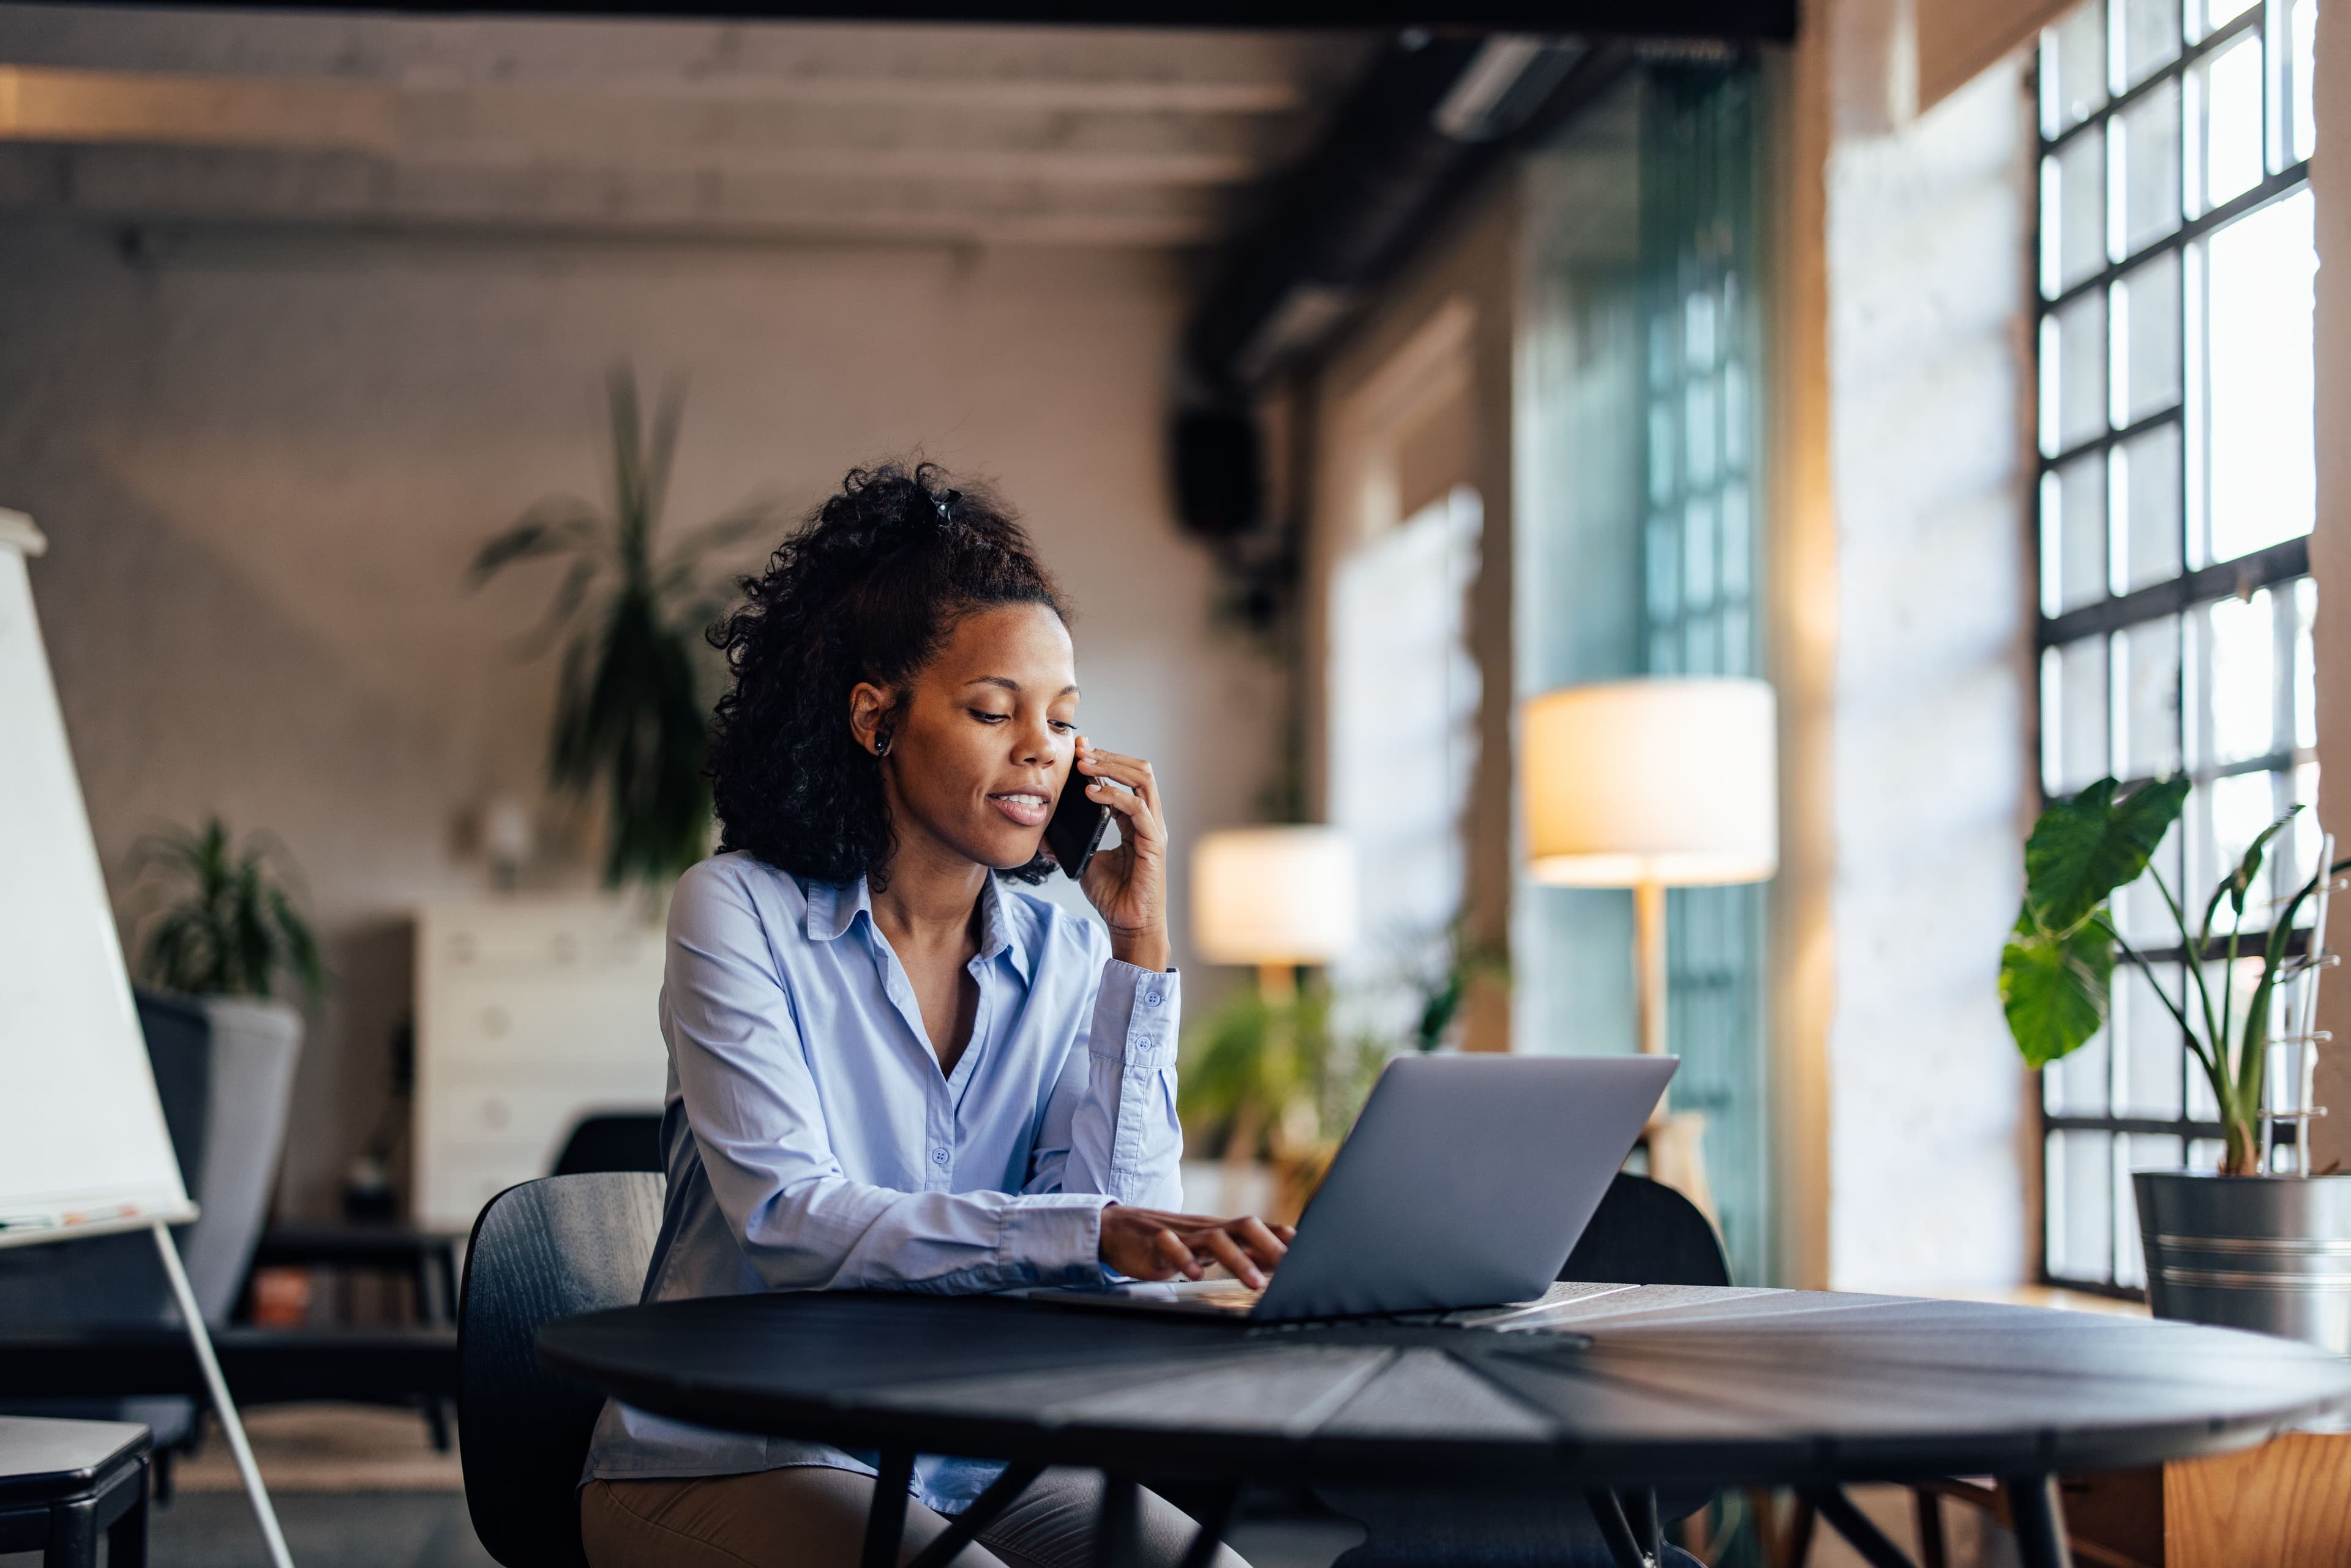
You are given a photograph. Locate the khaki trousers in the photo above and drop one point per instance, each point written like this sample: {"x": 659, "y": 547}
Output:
{"x": 812, "y": 1516}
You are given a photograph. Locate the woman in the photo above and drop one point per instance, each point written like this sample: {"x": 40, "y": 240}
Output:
{"x": 890, "y": 1069}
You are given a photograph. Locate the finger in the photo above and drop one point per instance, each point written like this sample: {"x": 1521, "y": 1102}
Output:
{"x": 1179, "y": 1257}
{"x": 1132, "y": 771}
{"x": 1289, "y": 1233}
{"x": 1258, "y": 1237}
{"x": 1228, "y": 1251}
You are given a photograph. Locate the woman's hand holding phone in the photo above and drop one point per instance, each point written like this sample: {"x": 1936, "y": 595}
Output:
{"x": 1129, "y": 884}
{"x": 1153, "y": 1244}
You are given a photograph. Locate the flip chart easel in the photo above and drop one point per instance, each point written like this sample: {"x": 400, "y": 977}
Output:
{"x": 83, "y": 1148}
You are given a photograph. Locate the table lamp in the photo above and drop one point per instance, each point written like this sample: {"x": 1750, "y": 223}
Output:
{"x": 1652, "y": 784}
{"x": 1274, "y": 897}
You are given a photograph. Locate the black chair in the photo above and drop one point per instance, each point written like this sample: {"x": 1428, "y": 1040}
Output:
{"x": 1645, "y": 1233}
{"x": 612, "y": 1140}
{"x": 547, "y": 1249}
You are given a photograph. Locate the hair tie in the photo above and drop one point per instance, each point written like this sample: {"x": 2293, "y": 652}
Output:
{"x": 944, "y": 501}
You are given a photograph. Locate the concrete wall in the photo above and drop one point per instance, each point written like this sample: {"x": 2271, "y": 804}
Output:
{"x": 1903, "y": 372}
{"x": 264, "y": 459}
{"x": 1927, "y": 237}
{"x": 1468, "y": 271}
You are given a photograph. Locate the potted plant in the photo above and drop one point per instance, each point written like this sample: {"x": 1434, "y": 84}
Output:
{"x": 633, "y": 712}
{"x": 1272, "y": 1074}
{"x": 2246, "y": 1245}
{"x": 222, "y": 926}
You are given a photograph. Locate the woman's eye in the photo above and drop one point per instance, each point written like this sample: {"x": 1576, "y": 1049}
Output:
{"x": 1064, "y": 726}
{"x": 987, "y": 718}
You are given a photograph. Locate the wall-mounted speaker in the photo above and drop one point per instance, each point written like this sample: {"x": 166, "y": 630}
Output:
{"x": 1220, "y": 465}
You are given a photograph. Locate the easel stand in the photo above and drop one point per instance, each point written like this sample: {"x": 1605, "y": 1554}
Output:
{"x": 223, "y": 1404}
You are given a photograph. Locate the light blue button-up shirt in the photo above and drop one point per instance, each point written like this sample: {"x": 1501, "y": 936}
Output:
{"x": 812, "y": 1143}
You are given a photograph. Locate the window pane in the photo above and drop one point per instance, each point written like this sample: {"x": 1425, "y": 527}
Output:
{"x": 2239, "y": 682}
{"x": 2145, "y": 474}
{"x": 2262, "y": 469}
{"x": 2146, "y": 169}
{"x": 2303, "y": 29}
{"x": 2081, "y": 1205}
{"x": 2146, "y": 339}
{"x": 2150, "y": 1081}
{"x": 2140, "y": 909}
{"x": 2073, "y": 715}
{"x": 2074, "y": 68}
{"x": 2143, "y": 1152}
{"x": 2149, "y": 683}
{"x": 2219, "y": 14}
{"x": 2073, "y": 374}
{"x": 2074, "y": 212}
{"x": 2074, "y": 538}
{"x": 2232, "y": 140}
{"x": 2075, "y": 1085}
{"x": 2306, "y": 668}
{"x": 1697, "y": 554}
{"x": 2150, "y": 30}
{"x": 2241, "y": 805}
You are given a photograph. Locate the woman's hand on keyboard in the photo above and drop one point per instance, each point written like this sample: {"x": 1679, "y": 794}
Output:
{"x": 1152, "y": 1244}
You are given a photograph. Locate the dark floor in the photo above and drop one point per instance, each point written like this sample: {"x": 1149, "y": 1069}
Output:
{"x": 429, "y": 1530}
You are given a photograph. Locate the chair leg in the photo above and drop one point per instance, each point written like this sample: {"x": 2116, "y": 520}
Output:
{"x": 1934, "y": 1552}
{"x": 1796, "y": 1546}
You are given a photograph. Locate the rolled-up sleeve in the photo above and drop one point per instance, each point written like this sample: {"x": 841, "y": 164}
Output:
{"x": 755, "y": 1112}
{"x": 1111, "y": 1127}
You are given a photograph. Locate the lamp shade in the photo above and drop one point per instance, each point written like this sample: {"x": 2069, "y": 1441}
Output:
{"x": 1665, "y": 781}
{"x": 1273, "y": 895}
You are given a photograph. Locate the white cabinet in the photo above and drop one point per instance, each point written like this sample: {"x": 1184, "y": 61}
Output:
{"x": 530, "y": 1014}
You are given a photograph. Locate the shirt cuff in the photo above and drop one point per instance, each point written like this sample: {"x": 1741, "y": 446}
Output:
{"x": 1135, "y": 1014}
{"x": 1054, "y": 1237}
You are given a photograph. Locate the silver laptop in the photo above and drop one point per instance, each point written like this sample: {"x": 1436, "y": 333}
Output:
{"x": 1464, "y": 1183}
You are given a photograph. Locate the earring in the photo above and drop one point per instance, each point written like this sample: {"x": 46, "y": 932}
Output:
{"x": 881, "y": 744}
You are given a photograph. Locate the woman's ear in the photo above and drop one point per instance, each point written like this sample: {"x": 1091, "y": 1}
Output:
{"x": 869, "y": 713}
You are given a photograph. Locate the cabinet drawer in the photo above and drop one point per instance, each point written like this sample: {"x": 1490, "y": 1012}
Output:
{"x": 554, "y": 1024}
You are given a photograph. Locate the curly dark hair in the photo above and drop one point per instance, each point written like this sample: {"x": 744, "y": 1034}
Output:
{"x": 868, "y": 588}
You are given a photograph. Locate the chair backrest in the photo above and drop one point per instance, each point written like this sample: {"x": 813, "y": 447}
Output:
{"x": 1645, "y": 1233}
{"x": 612, "y": 1140}
{"x": 548, "y": 1248}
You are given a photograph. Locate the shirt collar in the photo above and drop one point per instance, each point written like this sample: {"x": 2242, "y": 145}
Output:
{"x": 833, "y": 907}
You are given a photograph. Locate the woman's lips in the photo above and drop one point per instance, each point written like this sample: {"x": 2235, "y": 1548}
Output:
{"x": 1028, "y": 810}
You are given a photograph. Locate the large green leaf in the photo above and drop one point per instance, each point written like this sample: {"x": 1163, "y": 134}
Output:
{"x": 2054, "y": 988}
{"x": 2083, "y": 849}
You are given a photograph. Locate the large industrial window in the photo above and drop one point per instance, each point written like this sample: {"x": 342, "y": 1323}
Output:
{"x": 2177, "y": 491}
{"x": 1700, "y": 552}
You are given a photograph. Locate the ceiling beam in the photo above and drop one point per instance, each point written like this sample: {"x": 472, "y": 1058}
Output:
{"x": 1133, "y": 70}
{"x": 344, "y": 191}
{"x": 1741, "y": 21}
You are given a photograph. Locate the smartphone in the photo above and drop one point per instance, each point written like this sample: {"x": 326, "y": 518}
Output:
{"x": 1075, "y": 829}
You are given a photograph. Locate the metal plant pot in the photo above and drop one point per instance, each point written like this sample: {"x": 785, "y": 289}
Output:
{"x": 2271, "y": 1253}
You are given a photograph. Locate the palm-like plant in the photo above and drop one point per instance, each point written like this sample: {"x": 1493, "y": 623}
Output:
{"x": 632, "y": 714}
{"x": 231, "y": 927}
{"x": 2056, "y": 972}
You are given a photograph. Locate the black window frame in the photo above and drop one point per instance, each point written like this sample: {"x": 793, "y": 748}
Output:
{"x": 2277, "y": 565}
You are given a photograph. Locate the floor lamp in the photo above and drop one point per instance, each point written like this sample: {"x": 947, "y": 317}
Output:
{"x": 1275, "y": 898}
{"x": 1652, "y": 784}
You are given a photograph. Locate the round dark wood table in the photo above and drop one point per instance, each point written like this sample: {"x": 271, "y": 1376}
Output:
{"x": 1606, "y": 1391}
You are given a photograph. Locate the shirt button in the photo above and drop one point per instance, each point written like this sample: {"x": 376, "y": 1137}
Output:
{"x": 1151, "y": 998}
{"x": 938, "y": 1157}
